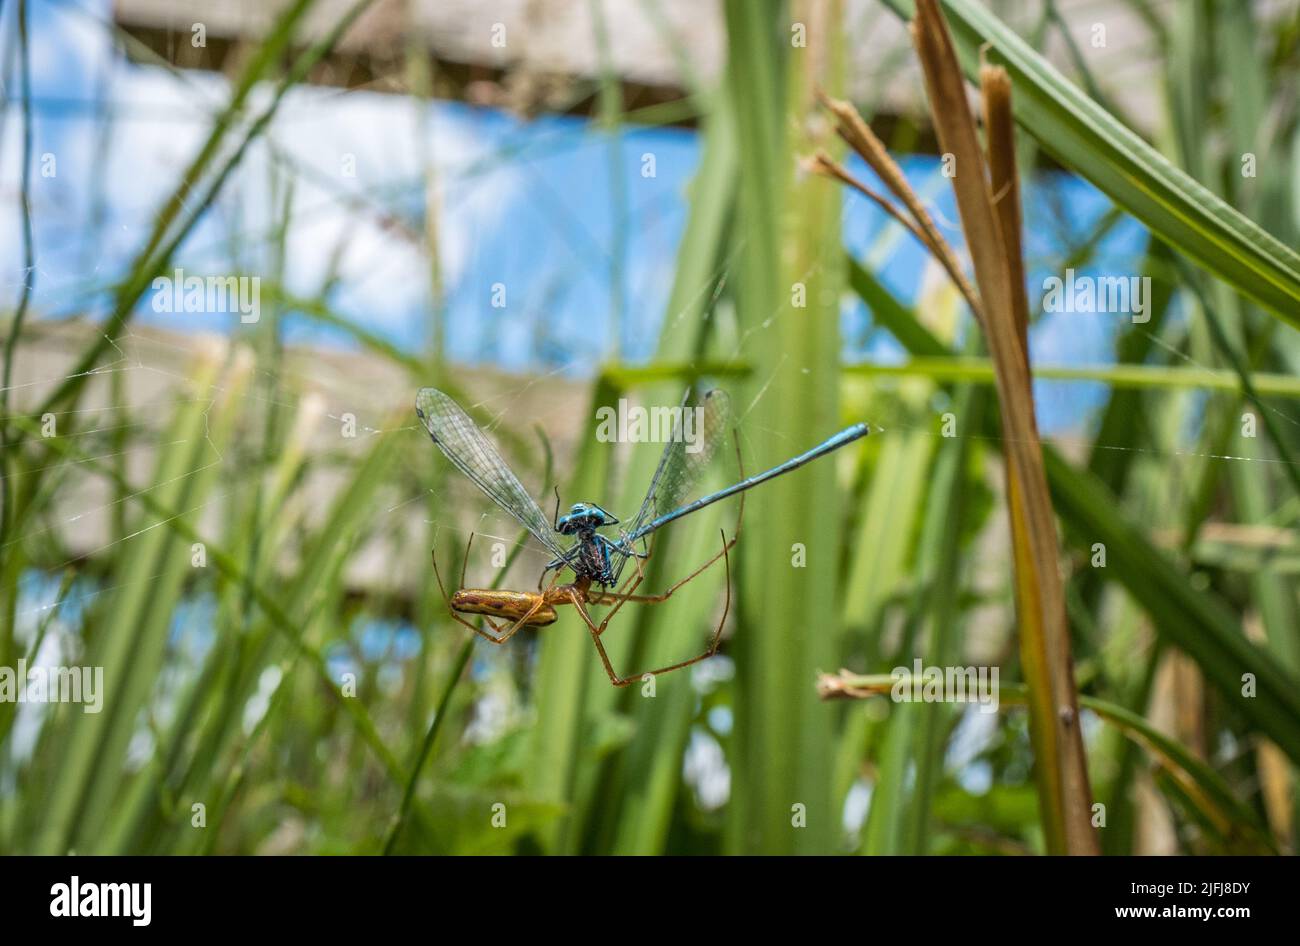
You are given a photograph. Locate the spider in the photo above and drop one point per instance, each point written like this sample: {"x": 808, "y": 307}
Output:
{"x": 537, "y": 608}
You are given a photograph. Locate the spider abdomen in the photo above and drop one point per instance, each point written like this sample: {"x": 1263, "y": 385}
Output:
{"x": 508, "y": 605}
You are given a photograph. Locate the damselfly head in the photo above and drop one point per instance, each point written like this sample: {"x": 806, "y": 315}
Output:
{"x": 584, "y": 517}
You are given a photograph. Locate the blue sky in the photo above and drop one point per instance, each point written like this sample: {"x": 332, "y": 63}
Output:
{"x": 533, "y": 206}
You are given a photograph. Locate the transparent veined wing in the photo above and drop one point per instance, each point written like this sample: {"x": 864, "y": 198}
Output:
{"x": 697, "y": 433}
{"x": 471, "y": 452}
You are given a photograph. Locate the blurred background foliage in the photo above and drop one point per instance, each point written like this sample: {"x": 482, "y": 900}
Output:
{"x": 255, "y": 581}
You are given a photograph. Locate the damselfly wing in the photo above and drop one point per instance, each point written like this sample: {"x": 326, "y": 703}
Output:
{"x": 470, "y": 451}
{"x": 692, "y": 447}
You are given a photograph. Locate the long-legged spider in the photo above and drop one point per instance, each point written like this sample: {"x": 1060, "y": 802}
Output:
{"x": 537, "y": 608}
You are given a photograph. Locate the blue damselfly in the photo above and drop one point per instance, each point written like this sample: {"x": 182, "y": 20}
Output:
{"x": 575, "y": 540}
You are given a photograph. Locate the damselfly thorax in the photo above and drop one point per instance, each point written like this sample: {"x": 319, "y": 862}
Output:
{"x": 589, "y": 556}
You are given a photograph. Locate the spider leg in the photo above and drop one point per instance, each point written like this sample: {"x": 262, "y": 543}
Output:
{"x": 608, "y": 596}
{"x": 604, "y": 597}
{"x": 437, "y": 574}
{"x": 464, "y": 562}
{"x": 633, "y": 580}
{"x": 620, "y": 596}
{"x": 558, "y": 564}
{"x": 514, "y": 629}
{"x": 596, "y": 631}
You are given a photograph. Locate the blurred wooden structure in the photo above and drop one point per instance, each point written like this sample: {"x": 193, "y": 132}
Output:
{"x": 550, "y": 55}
